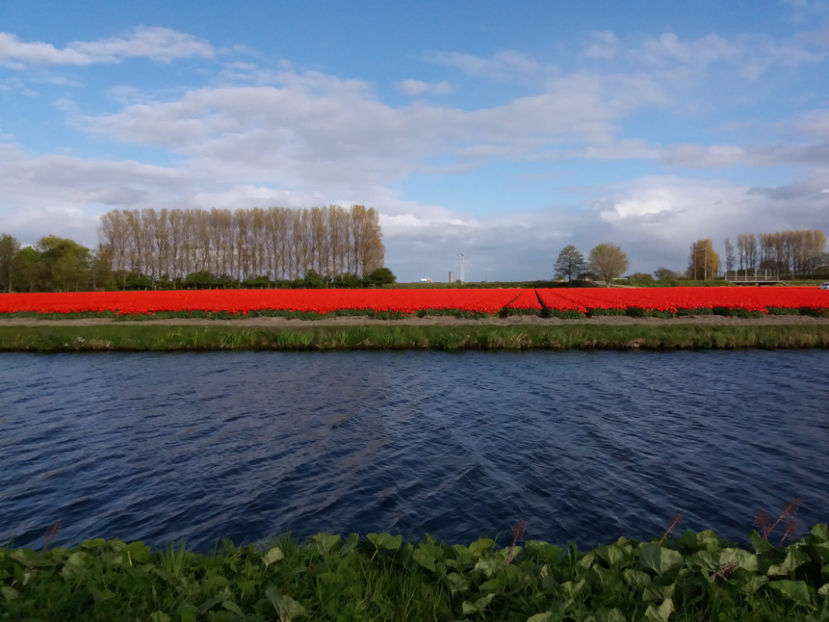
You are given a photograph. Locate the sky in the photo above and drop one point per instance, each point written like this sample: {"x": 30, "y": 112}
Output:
{"x": 503, "y": 131}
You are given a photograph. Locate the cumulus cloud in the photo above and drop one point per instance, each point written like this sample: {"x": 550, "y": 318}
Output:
{"x": 254, "y": 136}
{"x": 158, "y": 44}
{"x": 66, "y": 195}
{"x": 317, "y": 131}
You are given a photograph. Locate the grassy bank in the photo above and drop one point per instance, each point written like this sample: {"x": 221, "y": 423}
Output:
{"x": 695, "y": 577}
{"x": 392, "y": 336}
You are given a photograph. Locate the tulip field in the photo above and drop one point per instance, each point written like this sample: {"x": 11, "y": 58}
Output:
{"x": 568, "y": 302}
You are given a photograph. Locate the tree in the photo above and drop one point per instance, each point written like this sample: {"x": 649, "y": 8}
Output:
{"x": 608, "y": 261}
{"x": 101, "y": 267}
{"x": 666, "y": 274}
{"x": 379, "y": 277}
{"x": 29, "y": 269}
{"x": 747, "y": 251}
{"x": 729, "y": 257}
{"x": 703, "y": 262}
{"x": 570, "y": 262}
{"x": 67, "y": 263}
{"x": 8, "y": 250}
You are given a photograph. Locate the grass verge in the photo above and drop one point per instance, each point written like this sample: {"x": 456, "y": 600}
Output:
{"x": 696, "y": 576}
{"x": 393, "y": 337}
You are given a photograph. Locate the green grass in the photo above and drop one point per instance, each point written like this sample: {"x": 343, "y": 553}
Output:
{"x": 393, "y": 336}
{"x": 697, "y": 576}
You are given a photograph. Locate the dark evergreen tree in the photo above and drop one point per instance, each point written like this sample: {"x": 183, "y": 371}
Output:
{"x": 570, "y": 263}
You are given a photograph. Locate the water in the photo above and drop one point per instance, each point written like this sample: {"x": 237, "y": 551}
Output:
{"x": 584, "y": 446}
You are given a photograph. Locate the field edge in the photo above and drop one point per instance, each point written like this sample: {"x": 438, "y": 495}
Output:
{"x": 172, "y": 338}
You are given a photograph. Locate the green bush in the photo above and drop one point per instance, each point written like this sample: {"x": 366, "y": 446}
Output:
{"x": 697, "y": 576}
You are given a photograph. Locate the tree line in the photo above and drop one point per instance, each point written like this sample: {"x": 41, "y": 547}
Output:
{"x": 799, "y": 254}
{"x": 785, "y": 254}
{"x": 145, "y": 249}
{"x": 273, "y": 243}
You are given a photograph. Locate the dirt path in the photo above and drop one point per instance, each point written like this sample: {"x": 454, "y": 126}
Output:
{"x": 282, "y": 323}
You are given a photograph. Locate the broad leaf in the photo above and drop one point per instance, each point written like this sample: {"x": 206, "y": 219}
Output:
{"x": 740, "y": 558}
{"x": 273, "y": 555}
{"x": 480, "y": 545}
{"x": 286, "y": 607}
{"x": 385, "y": 541}
{"x": 754, "y": 584}
{"x": 661, "y": 613}
{"x": 612, "y": 554}
{"x": 636, "y": 579}
{"x": 325, "y": 542}
{"x": 489, "y": 566}
{"x": 572, "y": 589}
{"x": 794, "y": 559}
{"x": 478, "y": 606}
{"x": 708, "y": 540}
{"x": 659, "y": 559}
{"x": 139, "y": 552}
{"x": 587, "y": 560}
{"x": 9, "y": 593}
{"x": 821, "y": 532}
{"x": 544, "y": 550}
{"x": 425, "y": 558}
{"x": 612, "y": 615}
{"x": 759, "y": 543}
{"x": 797, "y": 591}
{"x": 654, "y": 593}
{"x": 707, "y": 561}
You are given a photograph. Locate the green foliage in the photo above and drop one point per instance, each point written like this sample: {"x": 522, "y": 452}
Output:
{"x": 642, "y": 279}
{"x": 381, "y": 577}
{"x": 379, "y": 277}
{"x": 608, "y": 261}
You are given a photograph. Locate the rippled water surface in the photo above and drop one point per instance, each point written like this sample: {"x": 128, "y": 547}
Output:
{"x": 583, "y": 446}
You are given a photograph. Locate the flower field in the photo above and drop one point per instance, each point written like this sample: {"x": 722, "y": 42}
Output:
{"x": 404, "y": 302}
{"x": 302, "y": 301}
{"x": 676, "y": 299}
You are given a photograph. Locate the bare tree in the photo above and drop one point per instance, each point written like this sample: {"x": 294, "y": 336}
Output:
{"x": 277, "y": 242}
{"x": 729, "y": 257}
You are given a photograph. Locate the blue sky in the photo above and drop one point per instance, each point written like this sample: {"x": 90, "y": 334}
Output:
{"x": 501, "y": 130}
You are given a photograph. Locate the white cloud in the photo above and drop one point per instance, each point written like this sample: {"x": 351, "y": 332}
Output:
{"x": 504, "y": 65}
{"x": 602, "y": 44}
{"x": 65, "y": 195}
{"x": 418, "y": 87}
{"x": 317, "y": 131}
{"x": 158, "y": 44}
{"x": 259, "y": 136}
{"x": 684, "y": 59}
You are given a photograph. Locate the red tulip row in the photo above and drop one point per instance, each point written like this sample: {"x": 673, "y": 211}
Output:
{"x": 315, "y": 301}
{"x": 410, "y": 301}
{"x": 672, "y": 299}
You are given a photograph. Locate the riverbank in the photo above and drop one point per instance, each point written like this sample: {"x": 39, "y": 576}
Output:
{"x": 693, "y": 577}
{"x": 347, "y": 333}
